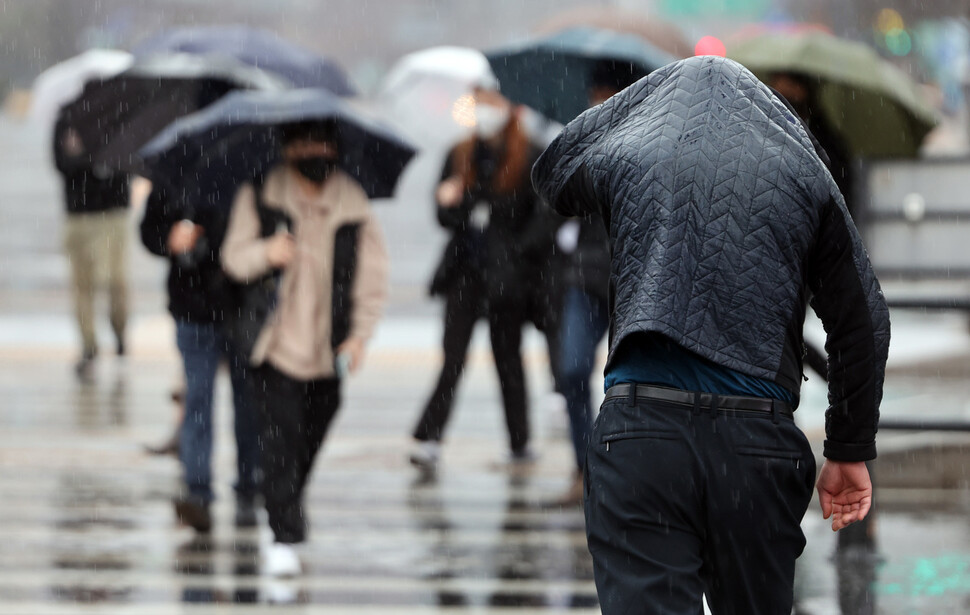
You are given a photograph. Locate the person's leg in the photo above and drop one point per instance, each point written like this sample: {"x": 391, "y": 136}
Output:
{"x": 461, "y": 313}
{"x": 246, "y": 425}
{"x": 584, "y": 321}
{"x": 83, "y": 277}
{"x": 199, "y": 345}
{"x": 546, "y": 305}
{"x": 505, "y": 329}
{"x": 116, "y": 236}
{"x": 322, "y": 403}
{"x": 280, "y": 402}
{"x": 644, "y": 510}
{"x": 761, "y": 482}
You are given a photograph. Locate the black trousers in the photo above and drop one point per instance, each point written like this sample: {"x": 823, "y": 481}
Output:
{"x": 682, "y": 502}
{"x": 296, "y": 415}
{"x": 462, "y": 310}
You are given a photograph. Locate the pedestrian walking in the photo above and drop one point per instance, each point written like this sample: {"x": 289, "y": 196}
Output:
{"x": 95, "y": 239}
{"x": 584, "y": 251}
{"x": 723, "y": 220}
{"x": 312, "y": 221}
{"x": 495, "y": 265}
{"x": 199, "y": 299}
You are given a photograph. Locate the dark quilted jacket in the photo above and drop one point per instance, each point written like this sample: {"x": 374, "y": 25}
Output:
{"x": 723, "y": 221}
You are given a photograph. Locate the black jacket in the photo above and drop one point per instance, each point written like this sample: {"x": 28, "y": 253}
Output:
{"x": 513, "y": 251}
{"x": 723, "y": 221}
{"x": 84, "y": 190}
{"x": 198, "y": 290}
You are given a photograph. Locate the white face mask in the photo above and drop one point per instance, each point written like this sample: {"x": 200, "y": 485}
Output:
{"x": 490, "y": 120}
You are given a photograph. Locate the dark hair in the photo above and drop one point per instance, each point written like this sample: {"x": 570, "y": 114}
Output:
{"x": 325, "y": 131}
{"x": 615, "y": 74}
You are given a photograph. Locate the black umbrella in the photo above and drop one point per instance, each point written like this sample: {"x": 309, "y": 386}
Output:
{"x": 255, "y": 47}
{"x": 209, "y": 153}
{"x": 115, "y": 117}
{"x": 553, "y": 74}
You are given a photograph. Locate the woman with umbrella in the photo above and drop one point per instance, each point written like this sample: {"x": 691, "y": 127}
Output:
{"x": 493, "y": 265}
{"x": 312, "y": 221}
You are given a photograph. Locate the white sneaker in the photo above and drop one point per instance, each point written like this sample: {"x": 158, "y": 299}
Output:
{"x": 281, "y": 592}
{"x": 281, "y": 560}
{"x": 425, "y": 454}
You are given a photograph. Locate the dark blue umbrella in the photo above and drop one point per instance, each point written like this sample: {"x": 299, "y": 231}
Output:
{"x": 255, "y": 47}
{"x": 206, "y": 155}
{"x": 553, "y": 74}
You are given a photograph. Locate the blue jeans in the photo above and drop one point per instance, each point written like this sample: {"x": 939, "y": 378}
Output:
{"x": 585, "y": 319}
{"x": 203, "y": 346}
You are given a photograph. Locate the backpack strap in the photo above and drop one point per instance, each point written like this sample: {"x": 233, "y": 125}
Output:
{"x": 270, "y": 218}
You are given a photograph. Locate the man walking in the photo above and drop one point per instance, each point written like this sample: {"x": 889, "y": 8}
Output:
{"x": 723, "y": 220}
{"x": 199, "y": 299}
{"x": 95, "y": 239}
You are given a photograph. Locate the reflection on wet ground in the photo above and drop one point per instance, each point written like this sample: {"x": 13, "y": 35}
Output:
{"x": 85, "y": 519}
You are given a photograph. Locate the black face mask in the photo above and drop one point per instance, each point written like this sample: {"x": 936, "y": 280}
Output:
{"x": 317, "y": 168}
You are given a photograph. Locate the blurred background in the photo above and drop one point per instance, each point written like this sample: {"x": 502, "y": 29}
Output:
{"x": 85, "y": 516}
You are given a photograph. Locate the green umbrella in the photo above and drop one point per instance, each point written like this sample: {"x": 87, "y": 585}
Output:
{"x": 873, "y": 105}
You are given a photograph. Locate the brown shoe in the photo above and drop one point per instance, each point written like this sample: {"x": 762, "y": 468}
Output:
{"x": 574, "y": 495}
{"x": 193, "y": 513}
{"x": 168, "y": 447}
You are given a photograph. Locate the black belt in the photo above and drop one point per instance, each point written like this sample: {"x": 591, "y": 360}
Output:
{"x": 698, "y": 400}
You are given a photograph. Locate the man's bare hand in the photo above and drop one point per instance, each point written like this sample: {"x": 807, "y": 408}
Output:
{"x": 280, "y": 249}
{"x": 845, "y": 492}
{"x": 450, "y": 191}
{"x": 183, "y": 236}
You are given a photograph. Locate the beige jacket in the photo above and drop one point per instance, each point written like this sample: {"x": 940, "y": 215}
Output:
{"x": 297, "y": 336}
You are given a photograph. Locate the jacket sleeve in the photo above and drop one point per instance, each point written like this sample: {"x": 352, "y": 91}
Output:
{"x": 853, "y": 311}
{"x": 370, "y": 280}
{"x": 156, "y": 224}
{"x": 576, "y": 197}
{"x": 243, "y": 252}
{"x": 452, "y": 218}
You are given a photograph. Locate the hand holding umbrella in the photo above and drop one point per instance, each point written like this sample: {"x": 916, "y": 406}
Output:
{"x": 449, "y": 191}
{"x": 280, "y": 250}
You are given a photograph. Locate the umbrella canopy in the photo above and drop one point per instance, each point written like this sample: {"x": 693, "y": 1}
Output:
{"x": 552, "y": 74}
{"x": 427, "y": 94}
{"x": 114, "y": 117}
{"x": 256, "y": 47}
{"x": 872, "y": 104}
{"x": 63, "y": 82}
{"x": 209, "y": 153}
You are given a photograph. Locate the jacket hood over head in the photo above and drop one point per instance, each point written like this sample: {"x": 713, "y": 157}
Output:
{"x": 723, "y": 223}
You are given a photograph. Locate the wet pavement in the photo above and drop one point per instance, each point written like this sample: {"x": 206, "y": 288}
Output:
{"x": 85, "y": 517}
